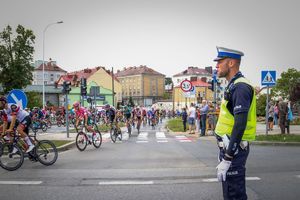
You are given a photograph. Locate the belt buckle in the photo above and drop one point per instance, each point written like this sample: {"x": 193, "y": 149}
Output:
{"x": 221, "y": 144}
{"x": 244, "y": 144}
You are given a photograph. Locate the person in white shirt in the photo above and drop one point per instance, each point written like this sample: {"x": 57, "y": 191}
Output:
{"x": 191, "y": 118}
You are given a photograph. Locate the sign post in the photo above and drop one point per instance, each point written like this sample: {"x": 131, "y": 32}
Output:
{"x": 268, "y": 78}
{"x": 186, "y": 86}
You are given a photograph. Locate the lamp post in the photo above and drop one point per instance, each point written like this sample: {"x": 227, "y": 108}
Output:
{"x": 59, "y": 22}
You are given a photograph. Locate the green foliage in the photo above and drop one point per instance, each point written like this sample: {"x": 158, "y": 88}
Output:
{"x": 168, "y": 81}
{"x": 16, "y": 54}
{"x": 288, "y": 81}
{"x": 166, "y": 95}
{"x": 261, "y": 105}
{"x": 34, "y": 99}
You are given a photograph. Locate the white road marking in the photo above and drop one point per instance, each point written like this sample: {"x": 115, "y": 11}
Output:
{"x": 106, "y": 135}
{"x": 185, "y": 141}
{"x": 21, "y": 182}
{"x": 143, "y": 136}
{"x": 182, "y": 138}
{"x": 160, "y": 135}
{"x": 162, "y": 141}
{"x": 142, "y": 141}
{"x": 212, "y": 180}
{"x": 126, "y": 183}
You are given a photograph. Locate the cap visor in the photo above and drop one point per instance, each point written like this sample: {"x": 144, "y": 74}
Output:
{"x": 218, "y": 58}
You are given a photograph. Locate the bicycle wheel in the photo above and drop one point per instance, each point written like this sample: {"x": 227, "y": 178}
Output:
{"x": 129, "y": 129}
{"x": 49, "y": 124}
{"x": 113, "y": 134}
{"x": 81, "y": 141}
{"x": 11, "y": 156}
{"x": 46, "y": 152}
{"x": 44, "y": 127}
{"x": 119, "y": 134}
{"x": 97, "y": 139}
{"x": 59, "y": 123}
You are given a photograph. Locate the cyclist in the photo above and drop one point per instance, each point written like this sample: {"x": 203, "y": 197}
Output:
{"x": 138, "y": 114}
{"x": 15, "y": 113}
{"x": 110, "y": 113}
{"x": 127, "y": 113}
{"x": 82, "y": 115}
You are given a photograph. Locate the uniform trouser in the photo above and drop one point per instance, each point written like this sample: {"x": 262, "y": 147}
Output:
{"x": 234, "y": 188}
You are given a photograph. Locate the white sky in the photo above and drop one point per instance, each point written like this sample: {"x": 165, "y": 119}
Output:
{"x": 167, "y": 36}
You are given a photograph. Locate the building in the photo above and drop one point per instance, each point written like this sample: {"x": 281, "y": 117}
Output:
{"x": 195, "y": 74}
{"x": 97, "y": 76}
{"x": 52, "y": 73}
{"x": 144, "y": 85}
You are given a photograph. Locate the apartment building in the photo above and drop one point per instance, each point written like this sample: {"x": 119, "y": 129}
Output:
{"x": 144, "y": 85}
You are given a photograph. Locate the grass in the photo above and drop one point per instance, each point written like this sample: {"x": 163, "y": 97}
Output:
{"x": 175, "y": 125}
{"x": 59, "y": 143}
{"x": 278, "y": 138}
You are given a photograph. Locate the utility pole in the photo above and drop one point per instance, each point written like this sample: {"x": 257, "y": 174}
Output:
{"x": 113, "y": 86}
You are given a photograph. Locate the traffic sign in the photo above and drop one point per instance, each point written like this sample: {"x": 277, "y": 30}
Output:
{"x": 268, "y": 78}
{"x": 18, "y": 97}
{"x": 186, "y": 85}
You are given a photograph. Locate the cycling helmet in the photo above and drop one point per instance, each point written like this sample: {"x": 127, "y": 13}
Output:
{"x": 76, "y": 104}
{"x": 3, "y": 98}
{"x": 107, "y": 106}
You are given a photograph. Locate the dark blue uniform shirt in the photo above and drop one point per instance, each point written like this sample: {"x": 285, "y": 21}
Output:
{"x": 239, "y": 96}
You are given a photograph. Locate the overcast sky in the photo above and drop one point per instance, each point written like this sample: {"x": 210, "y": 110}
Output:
{"x": 166, "y": 35}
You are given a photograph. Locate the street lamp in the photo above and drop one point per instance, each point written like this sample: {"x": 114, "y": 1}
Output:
{"x": 59, "y": 22}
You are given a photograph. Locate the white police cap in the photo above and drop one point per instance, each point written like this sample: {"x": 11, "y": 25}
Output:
{"x": 228, "y": 53}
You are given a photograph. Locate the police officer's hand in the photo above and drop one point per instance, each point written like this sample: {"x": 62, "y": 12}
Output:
{"x": 222, "y": 169}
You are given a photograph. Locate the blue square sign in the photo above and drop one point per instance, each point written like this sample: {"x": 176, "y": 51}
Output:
{"x": 268, "y": 78}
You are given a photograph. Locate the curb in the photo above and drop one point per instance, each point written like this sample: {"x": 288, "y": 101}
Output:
{"x": 66, "y": 147}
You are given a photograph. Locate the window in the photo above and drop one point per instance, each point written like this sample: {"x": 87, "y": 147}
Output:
{"x": 51, "y": 75}
{"x": 52, "y": 79}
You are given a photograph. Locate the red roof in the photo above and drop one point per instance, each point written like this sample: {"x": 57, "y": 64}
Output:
{"x": 85, "y": 73}
{"x": 193, "y": 71}
{"x": 142, "y": 69}
{"x": 50, "y": 66}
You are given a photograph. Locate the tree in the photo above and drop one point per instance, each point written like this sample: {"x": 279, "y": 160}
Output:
{"x": 34, "y": 99}
{"x": 261, "y": 104}
{"x": 286, "y": 84}
{"x": 168, "y": 81}
{"x": 16, "y": 54}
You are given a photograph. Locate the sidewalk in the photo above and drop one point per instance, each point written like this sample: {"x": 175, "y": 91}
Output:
{"x": 261, "y": 129}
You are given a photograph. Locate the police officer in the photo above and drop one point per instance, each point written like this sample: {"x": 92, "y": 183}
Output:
{"x": 236, "y": 124}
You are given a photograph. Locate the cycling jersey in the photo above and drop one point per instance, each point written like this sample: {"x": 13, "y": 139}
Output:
{"x": 80, "y": 113}
{"x": 13, "y": 109}
{"x": 110, "y": 114}
{"x": 138, "y": 113}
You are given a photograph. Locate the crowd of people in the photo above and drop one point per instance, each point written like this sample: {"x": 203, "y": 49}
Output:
{"x": 280, "y": 113}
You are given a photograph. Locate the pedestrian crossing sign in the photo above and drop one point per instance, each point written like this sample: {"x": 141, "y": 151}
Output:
{"x": 268, "y": 78}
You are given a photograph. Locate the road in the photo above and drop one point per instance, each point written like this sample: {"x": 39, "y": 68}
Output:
{"x": 153, "y": 165}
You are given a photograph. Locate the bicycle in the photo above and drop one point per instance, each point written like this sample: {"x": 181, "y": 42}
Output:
{"x": 128, "y": 125}
{"x": 38, "y": 124}
{"x": 115, "y": 133}
{"x": 13, "y": 152}
{"x": 83, "y": 139}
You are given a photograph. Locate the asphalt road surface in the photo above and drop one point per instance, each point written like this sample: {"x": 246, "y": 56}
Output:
{"x": 152, "y": 165}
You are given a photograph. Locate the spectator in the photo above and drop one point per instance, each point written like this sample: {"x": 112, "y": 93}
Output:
{"x": 184, "y": 118}
{"x": 276, "y": 114}
{"x": 211, "y": 117}
{"x": 203, "y": 114}
{"x": 198, "y": 125}
{"x": 282, "y": 111}
{"x": 191, "y": 119}
{"x": 271, "y": 117}
{"x": 289, "y": 117}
